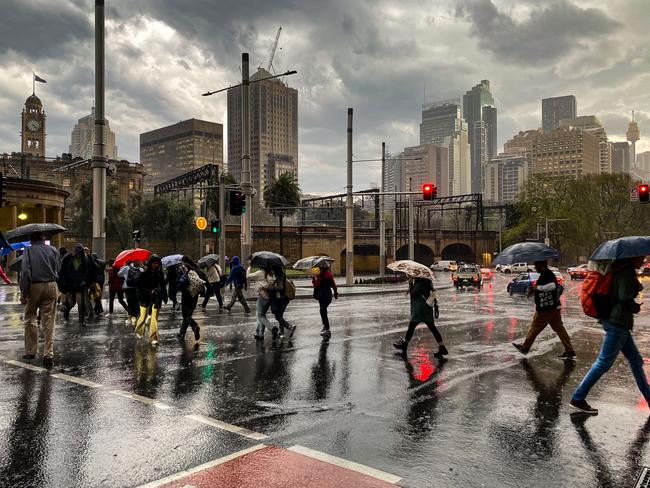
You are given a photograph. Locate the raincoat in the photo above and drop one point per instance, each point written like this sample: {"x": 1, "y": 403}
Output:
{"x": 419, "y": 291}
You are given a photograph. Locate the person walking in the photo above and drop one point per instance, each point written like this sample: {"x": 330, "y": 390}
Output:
{"x": 419, "y": 291}
{"x": 280, "y": 301}
{"x": 215, "y": 283}
{"x": 324, "y": 286}
{"x": 4, "y": 277}
{"x": 151, "y": 293}
{"x": 190, "y": 287}
{"x": 73, "y": 279}
{"x": 237, "y": 278}
{"x": 38, "y": 292}
{"x": 547, "y": 312}
{"x": 263, "y": 279}
{"x": 98, "y": 268}
{"x": 618, "y": 338}
{"x": 129, "y": 275}
{"x": 172, "y": 278}
{"x": 115, "y": 284}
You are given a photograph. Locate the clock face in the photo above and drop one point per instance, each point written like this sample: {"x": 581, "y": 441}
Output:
{"x": 33, "y": 125}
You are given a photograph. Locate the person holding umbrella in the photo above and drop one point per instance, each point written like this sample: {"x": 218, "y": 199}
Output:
{"x": 115, "y": 284}
{"x": 151, "y": 293}
{"x": 74, "y": 281}
{"x": 324, "y": 289}
{"x": 129, "y": 273}
{"x": 214, "y": 276}
{"x": 190, "y": 287}
{"x": 280, "y": 300}
{"x": 264, "y": 280}
{"x": 238, "y": 279}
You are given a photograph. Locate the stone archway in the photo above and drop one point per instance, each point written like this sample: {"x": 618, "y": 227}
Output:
{"x": 458, "y": 252}
{"x": 366, "y": 259}
{"x": 422, "y": 254}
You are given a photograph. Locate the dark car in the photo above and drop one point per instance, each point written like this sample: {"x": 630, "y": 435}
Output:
{"x": 523, "y": 283}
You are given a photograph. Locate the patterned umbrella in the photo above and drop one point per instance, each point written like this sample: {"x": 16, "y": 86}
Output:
{"x": 411, "y": 268}
{"x": 131, "y": 255}
{"x": 311, "y": 262}
{"x": 171, "y": 260}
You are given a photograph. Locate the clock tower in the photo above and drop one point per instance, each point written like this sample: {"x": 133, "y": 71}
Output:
{"x": 33, "y": 127}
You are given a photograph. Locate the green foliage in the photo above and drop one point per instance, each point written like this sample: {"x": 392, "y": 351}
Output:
{"x": 164, "y": 218}
{"x": 283, "y": 192}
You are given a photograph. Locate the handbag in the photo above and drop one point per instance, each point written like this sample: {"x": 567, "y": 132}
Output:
{"x": 432, "y": 299}
{"x": 195, "y": 283}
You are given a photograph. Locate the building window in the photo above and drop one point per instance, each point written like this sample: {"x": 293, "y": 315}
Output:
{"x": 131, "y": 184}
{"x": 66, "y": 182}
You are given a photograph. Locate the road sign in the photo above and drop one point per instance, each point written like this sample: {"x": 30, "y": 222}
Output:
{"x": 201, "y": 223}
{"x": 634, "y": 194}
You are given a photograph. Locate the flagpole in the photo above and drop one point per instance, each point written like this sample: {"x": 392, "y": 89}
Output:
{"x": 33, "y": 83}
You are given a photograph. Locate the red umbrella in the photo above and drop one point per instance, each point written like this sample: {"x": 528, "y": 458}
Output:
{"x": 131, "y": 255}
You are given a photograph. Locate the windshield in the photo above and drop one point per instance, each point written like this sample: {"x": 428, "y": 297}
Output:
{"x": 468, "y": 269}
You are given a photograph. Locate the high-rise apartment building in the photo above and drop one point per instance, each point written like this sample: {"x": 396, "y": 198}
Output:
{"x": 480, "y": 114}
{"x": 566, "y": 153}
{"x": 273, "y": 131}
{"x": 82, "y": 139}
{"x": 425, "y": 164}
{"x": 592, "y": 124}
{"x": 505, "y": 177}
{"x": 621, "y": 157}
{"x": 643, "y": 161}
{"x": 176, "y": 149}
{"x": 522, "y": 143}
{"x": 442, "y": 125}
{"x": 557, "y": 108}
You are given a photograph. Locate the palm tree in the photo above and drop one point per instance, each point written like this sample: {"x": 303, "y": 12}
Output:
{"x": 282, "y": 197}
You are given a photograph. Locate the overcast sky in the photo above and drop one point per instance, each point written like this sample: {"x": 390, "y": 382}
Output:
{"x": 375, "y": 56}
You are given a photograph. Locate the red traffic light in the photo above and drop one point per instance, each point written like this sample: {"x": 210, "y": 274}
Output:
{"x": 429, "y": 191}
{"x": 644, "y": 193}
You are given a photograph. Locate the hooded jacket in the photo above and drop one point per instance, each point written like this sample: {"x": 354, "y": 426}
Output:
{"x": 73, "y": 276}
{"x": 152, "y": 282}
{"x": 237, "y": 274}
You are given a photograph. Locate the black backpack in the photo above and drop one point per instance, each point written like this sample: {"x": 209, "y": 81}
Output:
{"x": 133, "y": 276}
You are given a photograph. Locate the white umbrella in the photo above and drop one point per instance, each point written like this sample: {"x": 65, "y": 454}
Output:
{"x": 411, "y": 268}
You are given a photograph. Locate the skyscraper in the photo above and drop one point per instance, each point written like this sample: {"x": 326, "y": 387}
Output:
{"x": 620, "y": 157}
{"x": 505, "y": 176}
{"x": 557, "y": 108}
{"x": 481, "y": 115}
{"x": 273, "y": 131}
{"x": 592, "y": 124}
{"x": 566, "y": 153}
{"x": 442, "y": 125}
{"x": 82, "y": 139}
{"x": 417, "y": 165}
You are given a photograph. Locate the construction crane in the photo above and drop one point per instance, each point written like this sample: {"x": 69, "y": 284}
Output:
{"x": 272, "y": 55}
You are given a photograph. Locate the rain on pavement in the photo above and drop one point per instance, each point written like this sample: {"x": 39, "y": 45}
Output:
{"x": 116, "y": 412}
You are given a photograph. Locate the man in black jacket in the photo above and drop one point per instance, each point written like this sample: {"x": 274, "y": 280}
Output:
{"x": 151, "y": 293}
{"x": 73, "y": 282}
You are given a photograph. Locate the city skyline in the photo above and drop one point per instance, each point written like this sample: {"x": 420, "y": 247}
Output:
{"x": 158, "y": 63}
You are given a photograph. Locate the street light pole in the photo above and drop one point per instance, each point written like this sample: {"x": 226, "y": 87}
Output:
{"x": 222, "y": 218}
{"x": 99, "y": 163}
{"x": 246, "y": 184}
{"x": 382, "y": 221}
{"x": 411, "y": 236}
{"x": 349, "y": 212}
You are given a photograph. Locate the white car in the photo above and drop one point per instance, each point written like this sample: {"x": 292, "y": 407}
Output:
{"x": 516, "y": 268}
{"x": 444, "y": 266}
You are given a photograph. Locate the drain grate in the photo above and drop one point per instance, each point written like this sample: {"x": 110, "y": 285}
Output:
{"x": 644, "y": 479}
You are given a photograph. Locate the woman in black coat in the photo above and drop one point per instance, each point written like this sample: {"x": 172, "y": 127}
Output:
{"x": 189, "y": 297}
{"x": 151, "y": 293}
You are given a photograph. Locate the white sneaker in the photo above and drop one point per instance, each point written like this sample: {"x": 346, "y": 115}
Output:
{"x": 127, "y": 321}
{"x": 133, "y": 321}
{"x": 138, "y": 335}
{"x": 154, "y": 342}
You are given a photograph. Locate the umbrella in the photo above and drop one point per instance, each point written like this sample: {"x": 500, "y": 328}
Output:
{"x": 14, "y": 247}
{"x": 265, "y": 259}
{"x": 131, "y": 255}
{"x": 208, "y": 260}
{"x": 16, "y": 265}
{"x": 171, "y": 260}
{"x": 23, "y": 232}
{"x": 526, "y": 252}
{"x": 311, "y": 262}
{"x": 411, "y": 268}
{"x": 624, "y": 247}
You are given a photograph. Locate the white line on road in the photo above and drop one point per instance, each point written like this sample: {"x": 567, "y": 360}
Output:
{"x": 141, "y": 399}
{"x": 78, "y": 381}
{"x": 343, "y": 463}
{"x": 229, "y": 427}
{"x": 20, "y": 364}
{"x": 208, "y": 465}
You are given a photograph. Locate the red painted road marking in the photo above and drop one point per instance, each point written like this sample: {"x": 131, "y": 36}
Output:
{"x": 275, "y": 467}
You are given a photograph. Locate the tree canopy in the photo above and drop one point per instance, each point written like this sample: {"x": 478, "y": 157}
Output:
{"x": 282, "y": 193}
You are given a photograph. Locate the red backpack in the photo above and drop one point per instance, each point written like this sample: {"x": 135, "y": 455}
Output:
{"x": 594, "y": 296}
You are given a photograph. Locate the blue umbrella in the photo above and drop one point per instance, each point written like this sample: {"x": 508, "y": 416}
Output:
{"x": 14, "y": 247}
{"x": 526, "y": 252}
{"x": 624, "y": 247}
{"x": 171, "y": 260}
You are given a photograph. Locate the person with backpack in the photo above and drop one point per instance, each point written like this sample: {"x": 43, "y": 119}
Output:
{"x": 264, "y": 280}
{"x": 420, "y": 290}
{"x": 282, "y": 293}
{"x": 547, "y": 312}
{"x": 115, "y": 284}
{"x": 172, "y": 279}
{"x": 152, "y": 291}
{"x": 130, "y": 274}
{"x": 324, "y": 285}
{"x": 237, "y": 278}
{"x": 617, "y": 321}
{"x": 190, "y": 283}
{"x": 214, "y": 276}
{"x": 73, "y": 278}
{"x": 97, "y": 278}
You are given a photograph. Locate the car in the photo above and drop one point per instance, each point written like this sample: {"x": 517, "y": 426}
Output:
{"x": 467, "y": 275}
{"x": 487, "y": 274}
{"x": 516, "y": 268}
{"x": 444, "y": 265}
{"x": 560, "y": 278}
{"x": 523, "y": 283}
{"x": 578, "y": 272}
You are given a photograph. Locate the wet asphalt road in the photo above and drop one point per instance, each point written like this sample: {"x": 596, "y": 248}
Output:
{"x": 485, "y": 417}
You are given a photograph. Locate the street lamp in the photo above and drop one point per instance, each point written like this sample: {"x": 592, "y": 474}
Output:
{"x": 547, "y": 241}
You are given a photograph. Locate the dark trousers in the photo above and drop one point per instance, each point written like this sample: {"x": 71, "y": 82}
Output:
{"x": 132, "y": 301}
{"x": 432, "y": 327}
{"x": 188, "y": 305}
{"x": 78, "y": 298}
{"x": 120, "y": 299}
{"x": 278, "y": 306}
{"x": 213, "y": 289}
{"x": 324, "y": 303}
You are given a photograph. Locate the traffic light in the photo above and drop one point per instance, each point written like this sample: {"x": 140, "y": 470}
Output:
{"x": 215, "y": 226}
{"x": 644, "y": 193}
{"x": 429, "y": 191}
{"x": 137, "y": 235}
{"x": 237, "y": 202}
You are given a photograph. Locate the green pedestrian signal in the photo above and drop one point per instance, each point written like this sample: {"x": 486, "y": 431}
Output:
{"x": 215, "y": 226}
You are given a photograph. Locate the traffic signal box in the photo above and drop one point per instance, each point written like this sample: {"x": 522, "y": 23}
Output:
{"x": 429, "y": 191}
{"x": 215, "y": 227}
{"x": 236, "y": 202}
{"x": 644, "y": 193}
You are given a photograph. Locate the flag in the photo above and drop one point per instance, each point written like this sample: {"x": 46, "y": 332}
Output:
{"x": 39, "y": 79}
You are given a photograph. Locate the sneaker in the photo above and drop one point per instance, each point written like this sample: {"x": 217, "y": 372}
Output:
{"x": 180, "y": 337}
{"x": 326, "y": 333}
{"x": 258, "y": 337}
{"x": 567, "y": 355}
{"x": 292, "y": 329}
{"x": 520, "y": 348}
{"x": 48, "y": 363}
{"x": 442, "y": 351}
{"x": 138, "y": 335}
{"x": 274, "y": 333}
{"x": 154, "y": 342}
{"x": 583, "y": 406}
{"x": 221, "y": 310}
{"x": 29, "y": 357}
{"x": 227, "y": 308}
{"x": 197, "y": 333}
{"x": 127, "y": 321}
{"x": 133, "y": 321}
{"x": 203, "y": 308}
{"x": 248, "y": 310}
{"x": 401, "y": 344}
{"x": 66, "y": 315}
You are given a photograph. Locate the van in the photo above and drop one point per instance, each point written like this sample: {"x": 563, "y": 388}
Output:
{"x": 444, "y": 266}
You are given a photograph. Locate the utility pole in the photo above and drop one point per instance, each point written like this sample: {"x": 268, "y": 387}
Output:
{"x": 395, "y": 224}
{"x": 382, "y": 221}
{"x": 547, "y": 241}
{"x": 246, "y": 185}
{"x": 349, "y": 212}
{"x": 222, "y": 218}
{"x": 411, "y": 236}
{"x": 99, "y": 163}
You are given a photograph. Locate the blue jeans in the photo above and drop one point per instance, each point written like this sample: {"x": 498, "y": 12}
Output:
{"x": 617, "y": 339}
{"x": 262, "y": 307}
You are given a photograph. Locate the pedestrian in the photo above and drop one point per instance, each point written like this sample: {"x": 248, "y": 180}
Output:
{"x": 420, "y": 290}
{"x": 263, "y": 279}
{"x": 129, "y": 275}
{"x": 4, "y": 276}
{"x": 172, "y": 278}
{"x": 618, "y": 326}
{"x": 237, "y": 278}
{"x": 152, "y": 292}
{"x": 215, "y": 283}
{"x": 61, "y": 299}
{"x": 100, "y": 279}
{"x": 547, "y": 311}
{"x": 191, "y": 283}
{"x": 280, "y": 299}
{"x": 324, "y": 286}
{"x": 38, "y": 292}
{"x": 115, "y": 284}
{"x": 73, "y": 280}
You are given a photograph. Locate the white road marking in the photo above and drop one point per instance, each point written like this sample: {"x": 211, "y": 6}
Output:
{"x": 20, "y": 364}
{"x": 208, "y": 465}
{"x": 229, "y": 427}
{"x": 343, "y": 463}
{"x": 141, "y": 399}
{"x": 79, "y": 381}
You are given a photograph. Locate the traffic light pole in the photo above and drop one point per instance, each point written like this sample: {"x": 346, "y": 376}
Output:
{"x": 349, "y": 211}
{"x": 222, "y": 217}
{"x": 411, "y": 236}
{"x": 246, "y": 185}
{"x": 382, "y": 221}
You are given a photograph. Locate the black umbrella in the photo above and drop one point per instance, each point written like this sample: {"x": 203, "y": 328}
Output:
{"x": 268, "y": 259}
{"x": 526, "y": 252}
{"x": 624, "y": 247}
{"x": 208, "y": 260}
{"x": 23, "y": 232}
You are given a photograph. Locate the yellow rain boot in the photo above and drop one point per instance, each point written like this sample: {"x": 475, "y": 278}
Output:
{"x": 153, "y": 327}
{"x": 139, "y": 326}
